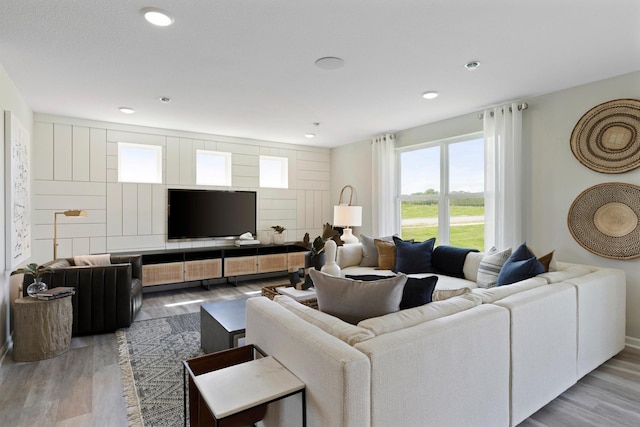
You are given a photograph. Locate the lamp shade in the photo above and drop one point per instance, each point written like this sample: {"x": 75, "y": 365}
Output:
{"x": 347, "y": 216}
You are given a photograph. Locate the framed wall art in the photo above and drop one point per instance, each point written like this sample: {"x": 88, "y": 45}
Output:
{"x": 17, "y": 191}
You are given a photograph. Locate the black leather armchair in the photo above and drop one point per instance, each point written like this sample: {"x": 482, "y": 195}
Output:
{"x": 107, "y": 297}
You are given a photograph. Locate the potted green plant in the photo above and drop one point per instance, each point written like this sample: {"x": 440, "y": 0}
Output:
{"x": 36, "y": 271}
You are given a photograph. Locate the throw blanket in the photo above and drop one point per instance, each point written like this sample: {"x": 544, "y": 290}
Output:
{"x": 94, "y": 260}
{"x": 449, "y": 260}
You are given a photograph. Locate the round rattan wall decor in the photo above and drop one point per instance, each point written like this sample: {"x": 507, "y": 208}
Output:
{"x": 604, "y": 219}
{"x": 607, "y": 137}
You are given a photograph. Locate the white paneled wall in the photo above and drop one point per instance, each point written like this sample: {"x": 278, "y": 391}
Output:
{"x": 76, "y": 163}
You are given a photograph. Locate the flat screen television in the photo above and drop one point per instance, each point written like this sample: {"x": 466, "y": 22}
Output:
{"x": 201, "y": 214}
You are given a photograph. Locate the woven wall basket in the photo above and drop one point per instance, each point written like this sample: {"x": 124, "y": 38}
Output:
{"x": 605, "y": 220}
{"x": 607, "y": 137}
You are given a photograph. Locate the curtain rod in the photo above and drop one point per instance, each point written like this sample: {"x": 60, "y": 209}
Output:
{"x": 521, "y": 107}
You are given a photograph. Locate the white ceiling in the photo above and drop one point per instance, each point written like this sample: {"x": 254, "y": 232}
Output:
{"x": 246, "y": 68}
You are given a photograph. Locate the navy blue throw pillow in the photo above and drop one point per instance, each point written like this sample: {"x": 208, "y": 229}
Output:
{"x": 521, "y": 265}
{"x": 414, "y": 257}
{"x": 416, "y": 291}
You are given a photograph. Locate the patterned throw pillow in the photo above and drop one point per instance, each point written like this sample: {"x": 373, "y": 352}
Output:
{"x": 490, "y": 267}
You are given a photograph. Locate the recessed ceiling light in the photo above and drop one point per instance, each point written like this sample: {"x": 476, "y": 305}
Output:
{"x": 309, "y": 135}
{"x": 330, "y": 63}
{"x": 156, "y": 16}
{"x": 127, "y": 110}
{"x": 432, "y": 94}
{"x": 164, "y": 99}
{"x": 472, "y": 65}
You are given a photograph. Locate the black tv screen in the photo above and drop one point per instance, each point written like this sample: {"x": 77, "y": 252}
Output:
{"x": 200, "y": 214}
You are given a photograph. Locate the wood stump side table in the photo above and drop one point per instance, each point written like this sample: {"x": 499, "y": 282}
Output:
{"x": 42, "y": 329}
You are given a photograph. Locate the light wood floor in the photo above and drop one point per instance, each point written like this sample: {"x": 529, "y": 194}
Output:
{"x": 82, "y": 387}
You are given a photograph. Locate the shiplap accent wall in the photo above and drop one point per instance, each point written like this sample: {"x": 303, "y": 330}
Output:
{"x": 75, "y": 167}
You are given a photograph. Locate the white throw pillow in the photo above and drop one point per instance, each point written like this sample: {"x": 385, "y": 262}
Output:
{"x": 471, "y": 265}
{"x": 349, "y": 255}
{"x": 355, "y": 300}
{"x": 490, "y": 267}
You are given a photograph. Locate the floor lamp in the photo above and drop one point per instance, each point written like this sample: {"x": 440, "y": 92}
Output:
{"x": 345, "y": 215}
{"x": 68, "y": 213}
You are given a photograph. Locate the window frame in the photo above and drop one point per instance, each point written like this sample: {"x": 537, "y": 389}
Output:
{"x": 157, "y": 149}
{"x": 227, "y": 166}
{"x": 444, "y": 195}
{"x": 284, "y": 171}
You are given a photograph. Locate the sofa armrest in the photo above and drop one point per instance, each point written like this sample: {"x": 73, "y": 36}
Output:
{"x": 134, "y": 260}
{"x": 336, "y": 375}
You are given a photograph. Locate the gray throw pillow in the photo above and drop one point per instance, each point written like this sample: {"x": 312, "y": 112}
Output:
{"x": 369, "y": 250}
{"x": 355, "y": 300}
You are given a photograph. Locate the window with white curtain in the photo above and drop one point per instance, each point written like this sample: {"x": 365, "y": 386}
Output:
{"x": 213, "y": 168}
{"x": 442, "y": 191}
{"x": 274, "y": 172}
{"x": 139, "y": 163}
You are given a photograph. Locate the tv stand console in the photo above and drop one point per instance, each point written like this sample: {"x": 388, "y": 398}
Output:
{"x": 166, "y": 268}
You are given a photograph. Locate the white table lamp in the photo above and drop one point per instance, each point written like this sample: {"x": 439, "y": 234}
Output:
{"x": 345, "y": 215}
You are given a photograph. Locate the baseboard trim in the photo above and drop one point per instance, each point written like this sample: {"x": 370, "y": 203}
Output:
{"x": 633, "y": 342}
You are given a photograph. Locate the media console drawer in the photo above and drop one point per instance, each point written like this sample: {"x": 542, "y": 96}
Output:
{"x": 237, "y": 266}
{"x": 160, "y": 274}
{"x": 202, "y": 269}
{"x": 274, "y": 262}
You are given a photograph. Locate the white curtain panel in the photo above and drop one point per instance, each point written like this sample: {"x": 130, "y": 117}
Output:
{"x": 503, "y": 177}
{"x": 384, "y": 209}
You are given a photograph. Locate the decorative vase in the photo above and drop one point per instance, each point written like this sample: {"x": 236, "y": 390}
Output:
{"x": 37, "y": 286}
{"x": 264, "y": 236}
{"x": 278, "y": 239}
{"x": 330, "y": 266}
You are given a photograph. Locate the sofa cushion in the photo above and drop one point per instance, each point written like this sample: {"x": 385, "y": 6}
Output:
{"x": 494, "y": 294}
{"x": 414, "y": 316}
{"x": 369, "y": 250}
{"x": 450, "y": 260}
{"x": 471, "y": 265}
{"x": 443, "y": 294}
{"x": 94, "y": 260}
{"x": 355, "y": 300}
{"x": 349, "y": 255}
{"x": 347, "y": 332}
{"x": 565, "y": 272}
{"x": 413, "y": 257}
{"x": 386, "y": 254}
{"x": 490, "y": 267}
{"x": 416, "y": 292}
{"x": 521, "y": 265}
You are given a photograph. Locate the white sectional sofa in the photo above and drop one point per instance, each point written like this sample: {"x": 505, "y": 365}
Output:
{"x": 492, "y": 357}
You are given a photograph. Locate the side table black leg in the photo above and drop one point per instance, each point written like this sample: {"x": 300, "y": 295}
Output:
{"x": 304, "y": 407}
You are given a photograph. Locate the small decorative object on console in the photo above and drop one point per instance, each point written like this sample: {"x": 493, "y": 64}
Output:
{"x": 278, "y": 236}
{"x": 36, "y": 271}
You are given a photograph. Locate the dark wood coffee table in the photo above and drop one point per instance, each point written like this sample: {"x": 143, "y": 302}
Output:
{"x": 222, "y": 324}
